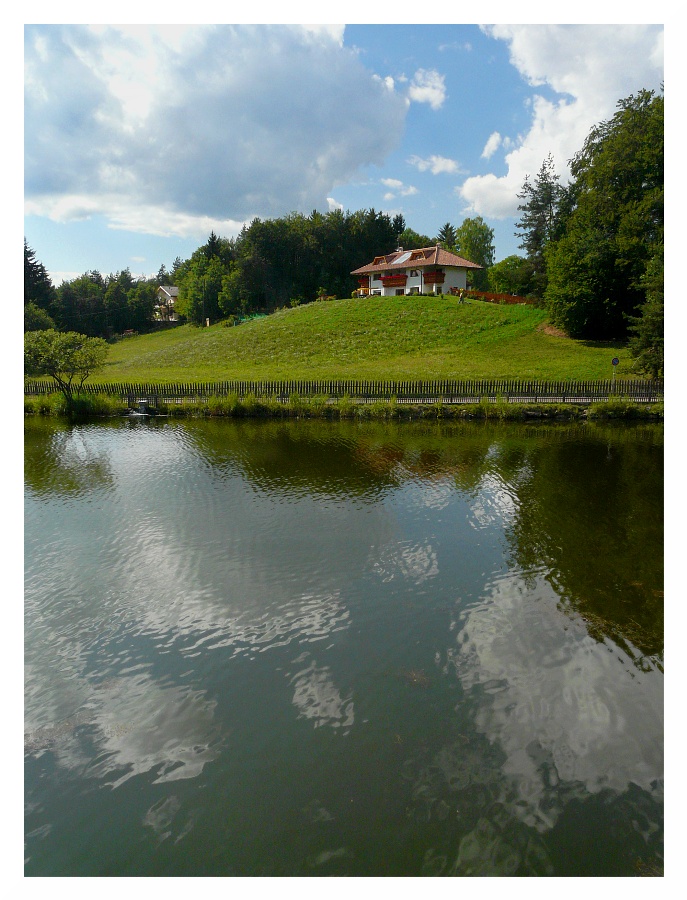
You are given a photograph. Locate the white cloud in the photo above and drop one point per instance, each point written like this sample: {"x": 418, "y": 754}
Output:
{"x": 171, "y": 130}
{"x": 492, "y": 145}
{"x": 590, "y": 67}
{"x": 397, "y": 187}
{"x": 334, "y": 204}
{"x": 577, "y": 723}
{"x": 437, "y": 165}
{"x": 427, "y": 86}
{"x": 123, "y": 214}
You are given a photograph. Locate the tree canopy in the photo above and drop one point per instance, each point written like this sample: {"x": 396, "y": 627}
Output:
{"x": 446, "y": 236}
{"x": 598, "y": 260}
{"x": 542, "y": 207}
{"x": 512, "y": 275}
{"x": 67, "y": 357}
{"x": 38, "y": 288}
{"x": 475, "y": 241}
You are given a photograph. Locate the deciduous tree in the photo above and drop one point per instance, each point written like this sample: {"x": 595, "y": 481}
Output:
{"x": 36, "y": 319}
{"x": 475, "y": 242}
{"x": 512, "y": 275}
{"x": 596, "y": 267}
{"x": 68, "y": 358}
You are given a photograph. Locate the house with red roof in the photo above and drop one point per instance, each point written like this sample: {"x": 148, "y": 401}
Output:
{"x": 431, "y": 270}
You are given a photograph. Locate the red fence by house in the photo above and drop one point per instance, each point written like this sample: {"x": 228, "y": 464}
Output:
{"x": 498, "y": 298}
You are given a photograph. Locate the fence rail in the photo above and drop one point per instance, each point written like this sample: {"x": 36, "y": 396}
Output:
{"x": 445, "y": 391}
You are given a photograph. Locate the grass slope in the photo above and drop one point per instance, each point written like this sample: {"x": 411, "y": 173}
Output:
{"x": 375, "y": 338}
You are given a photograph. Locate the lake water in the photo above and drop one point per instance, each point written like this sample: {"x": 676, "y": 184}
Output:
{"x": 310, "y": 648}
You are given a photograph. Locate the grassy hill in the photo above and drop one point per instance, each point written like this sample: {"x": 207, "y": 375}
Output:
{"x": 375, "y": 338}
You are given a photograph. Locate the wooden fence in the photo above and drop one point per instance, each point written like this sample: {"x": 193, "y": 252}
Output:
{"x": 444, "y": 391}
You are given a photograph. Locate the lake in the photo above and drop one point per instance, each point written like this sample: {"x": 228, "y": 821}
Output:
{"x": 314, "y": 648}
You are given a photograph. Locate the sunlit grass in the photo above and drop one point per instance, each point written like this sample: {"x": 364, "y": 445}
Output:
{"x": 376, "y": 338}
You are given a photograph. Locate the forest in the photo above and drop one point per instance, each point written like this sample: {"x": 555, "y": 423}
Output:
{"x": 592, "y": 253}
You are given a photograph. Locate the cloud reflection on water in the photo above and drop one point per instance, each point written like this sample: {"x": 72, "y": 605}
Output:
{"x": 555, "y": 701}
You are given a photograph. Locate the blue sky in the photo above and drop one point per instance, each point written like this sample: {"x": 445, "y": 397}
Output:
{"x": 140, "y": 140}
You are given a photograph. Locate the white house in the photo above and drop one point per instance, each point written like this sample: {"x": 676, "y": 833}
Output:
{"x": 431, "y": 270}
{"x": 166, "y": 298}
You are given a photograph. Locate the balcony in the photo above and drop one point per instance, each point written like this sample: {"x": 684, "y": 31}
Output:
{"x": 394, "y": 280}
{"x": 436, "y": 277}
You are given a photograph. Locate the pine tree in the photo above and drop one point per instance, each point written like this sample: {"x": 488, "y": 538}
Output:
{"x": 38, "y": 287}
{"x": 539, "y": 224}
{"x": 447, "y": 237}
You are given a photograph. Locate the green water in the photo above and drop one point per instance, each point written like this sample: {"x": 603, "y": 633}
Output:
{"x": 307, "y": 648}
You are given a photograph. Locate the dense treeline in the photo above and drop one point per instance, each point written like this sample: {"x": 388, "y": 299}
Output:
{"x": 276, "y": 262}
{"x": 270, "y": 264}
{"x": 92, "y": 304}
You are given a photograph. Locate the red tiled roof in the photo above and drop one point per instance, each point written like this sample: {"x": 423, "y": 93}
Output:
{"x": 415, "y": 259}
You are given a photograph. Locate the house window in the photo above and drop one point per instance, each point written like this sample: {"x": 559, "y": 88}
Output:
{"x": 414, "y": 273}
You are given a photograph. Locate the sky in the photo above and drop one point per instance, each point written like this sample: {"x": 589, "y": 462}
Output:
{"x": 140, "y": 140}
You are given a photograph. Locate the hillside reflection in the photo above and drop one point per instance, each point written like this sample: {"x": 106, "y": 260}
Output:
{"x": 586, "y": 500}
{"x": 582, "y": 504}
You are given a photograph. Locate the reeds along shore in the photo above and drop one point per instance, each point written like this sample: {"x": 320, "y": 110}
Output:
{"x": 95, "y": 406}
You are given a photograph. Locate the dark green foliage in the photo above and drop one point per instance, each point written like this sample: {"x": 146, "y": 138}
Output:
{"x": 542, "y": 210}
{"x": 411, "y": 240}
{"x": 68, "y": 358}
{"x": 474, "y": 241}
{"x": 646, "y": 341}
{"x": 512, "y": 275}
{"x": 103, "y": 307}
{"x": 446, "y": 237}
{"x": 36, "y": 319}
{"x": 275, "y": 260}
{"x": 597, "y": 263}
{"x": 38, "y": 288}
{"x": 80, "y": 305}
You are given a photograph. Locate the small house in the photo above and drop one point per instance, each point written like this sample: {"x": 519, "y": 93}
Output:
{"x": 166, "y": 298}
{"x": 431, "y": 270}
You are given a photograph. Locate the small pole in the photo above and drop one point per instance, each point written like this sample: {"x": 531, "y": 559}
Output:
{"x": 614, "y": 363}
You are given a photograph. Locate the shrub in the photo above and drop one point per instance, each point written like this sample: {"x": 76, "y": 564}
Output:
{"x": 345, "y": 407}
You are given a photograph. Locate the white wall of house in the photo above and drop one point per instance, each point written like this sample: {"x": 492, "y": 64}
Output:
{"x": 455, "y": 278}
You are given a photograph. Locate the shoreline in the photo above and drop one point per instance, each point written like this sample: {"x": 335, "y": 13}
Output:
{"x": 97, "y": 406}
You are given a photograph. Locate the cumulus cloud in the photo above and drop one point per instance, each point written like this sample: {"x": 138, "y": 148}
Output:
{"x": 427, "y": 86}
{"x": 437, "y": 165}
{"x": 586, "y": 66}
{"x": 492, "y": 145}
{"x": 397, "y": 187}
{"x": 171, "y": 129}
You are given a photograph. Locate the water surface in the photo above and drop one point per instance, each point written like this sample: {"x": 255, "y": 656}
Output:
{"x": 310, "y": 648}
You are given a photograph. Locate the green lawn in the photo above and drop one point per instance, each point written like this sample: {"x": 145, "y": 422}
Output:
{"x": 375, "y": 338}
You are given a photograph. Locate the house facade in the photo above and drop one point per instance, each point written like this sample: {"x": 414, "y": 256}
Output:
{"x": 431, "y": 270}
{"x": 166, "y": 298}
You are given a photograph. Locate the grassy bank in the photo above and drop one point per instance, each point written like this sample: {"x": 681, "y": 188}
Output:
{"x": 375, "y": 338}
{"x": 95, "y": 406}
